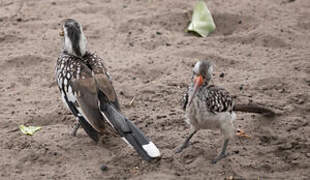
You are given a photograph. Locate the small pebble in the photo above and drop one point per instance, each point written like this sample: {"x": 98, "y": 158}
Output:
{"x": 104, "y": 167}
{"x": 236, "y": 151}
{"x": 161, "y": 116}
{"x": 222, "y": 75}
{"x": 281, "y": 90}
{"x": 300, "y": 101}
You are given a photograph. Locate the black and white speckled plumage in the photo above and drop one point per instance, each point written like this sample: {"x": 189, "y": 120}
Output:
{"x": 208, "y": 106}
{"x": 71, "y": 68}
{"x": 211, "y": 107}
{"x": 87, "y": 90}
{"x": 216, "y": 98}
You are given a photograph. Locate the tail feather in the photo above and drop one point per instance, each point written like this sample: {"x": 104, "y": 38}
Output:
{"x": 130, "y": 139}
{"x": 92, "y": 133}
{"x": 254, "y": 108}
{"x": 130, "y": 133}
{"x": 141, "y": 143}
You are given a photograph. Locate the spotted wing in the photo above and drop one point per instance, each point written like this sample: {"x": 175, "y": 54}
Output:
{"x": 94, "y": 85}
{"x": 67, "y": 71}
{"x": 125, "y": 128}
{"x": 218, "y": 100}
{"x": 84, "y": 91}
{"x": 103, "y": 79}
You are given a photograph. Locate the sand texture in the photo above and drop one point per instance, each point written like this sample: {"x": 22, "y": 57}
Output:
{"x": 261, "y": 46}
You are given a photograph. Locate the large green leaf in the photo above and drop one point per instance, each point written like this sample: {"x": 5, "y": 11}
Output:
{"x": 202, "y": 21}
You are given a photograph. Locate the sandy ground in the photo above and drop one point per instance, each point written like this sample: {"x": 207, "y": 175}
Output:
{"x": 262, "y": 47}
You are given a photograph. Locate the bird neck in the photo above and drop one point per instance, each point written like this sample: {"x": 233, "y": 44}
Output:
{"x": 206, "y": 83}
{"x": 75, "y": 44}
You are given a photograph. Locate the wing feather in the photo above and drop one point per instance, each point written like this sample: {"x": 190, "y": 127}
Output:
{"x": 95, "y": 100}
{"x": 218, "y": 99}
{"x": 85, "y": 91}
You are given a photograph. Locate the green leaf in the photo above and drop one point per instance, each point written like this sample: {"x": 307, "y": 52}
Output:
{"x": 202, "y": 21}
{"x": 30, "y": 130}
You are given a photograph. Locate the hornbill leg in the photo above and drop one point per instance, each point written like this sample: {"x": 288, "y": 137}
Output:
{"x": 186, "y": 142}
{"x": 223, "y": 154}
{"x": 75, "y": 128}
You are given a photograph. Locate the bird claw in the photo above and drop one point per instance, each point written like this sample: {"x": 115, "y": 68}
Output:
{"x": 219, "y": 157}
{"x": 75, "y": 129}
{"x": 180, "y": 149}
{"x": 74, "y": 132}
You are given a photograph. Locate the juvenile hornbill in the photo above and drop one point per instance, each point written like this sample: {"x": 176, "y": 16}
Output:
{"x": 211, "y": 107}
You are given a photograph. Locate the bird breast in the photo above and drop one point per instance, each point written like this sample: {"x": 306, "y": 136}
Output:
{"x": 200, "y": 117}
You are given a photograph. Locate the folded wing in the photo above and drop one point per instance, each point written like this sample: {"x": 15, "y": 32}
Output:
{"x": 97, "y": 102}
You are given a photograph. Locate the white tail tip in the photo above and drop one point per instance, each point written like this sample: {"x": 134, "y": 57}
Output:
{"x": 151, "y": 150}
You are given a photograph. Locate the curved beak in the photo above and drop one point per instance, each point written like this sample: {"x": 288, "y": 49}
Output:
{"x": 61, "y": 32}
{"x": 198, "y": 81}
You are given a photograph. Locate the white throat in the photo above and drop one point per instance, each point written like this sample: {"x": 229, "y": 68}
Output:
{"x": 83, "y": 43}
{"x": 68, "y": 43}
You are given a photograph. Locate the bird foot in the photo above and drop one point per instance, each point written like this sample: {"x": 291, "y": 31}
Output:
{"x": 75, "y": 129}
{"x": 180, "y": 149}
{"x": 219, "y": 157}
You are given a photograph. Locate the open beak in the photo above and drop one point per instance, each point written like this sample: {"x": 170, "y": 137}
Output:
{"x": 61, "y": 32}
{"x": 241, "y": 133}
{"x": 198, "y": 81}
